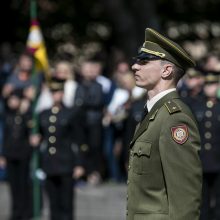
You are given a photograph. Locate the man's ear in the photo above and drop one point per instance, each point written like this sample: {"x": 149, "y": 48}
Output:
{"x": 167, "y": 71}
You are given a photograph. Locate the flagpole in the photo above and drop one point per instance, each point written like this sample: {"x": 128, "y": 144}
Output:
{"x": 35, "y": 157}
{"x": 33, "y": 9}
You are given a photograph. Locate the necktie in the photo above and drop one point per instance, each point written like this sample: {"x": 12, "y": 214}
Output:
{"x": 144, "y": 113}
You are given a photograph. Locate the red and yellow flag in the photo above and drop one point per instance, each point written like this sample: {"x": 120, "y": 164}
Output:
{"x": 36, "y": 45}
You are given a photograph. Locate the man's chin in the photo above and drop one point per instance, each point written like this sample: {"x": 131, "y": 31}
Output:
{"x": 139, "y": 85}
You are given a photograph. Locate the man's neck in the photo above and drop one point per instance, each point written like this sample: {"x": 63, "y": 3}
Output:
{"x": 155, "y": 91}
{"x": 151, "y": 102}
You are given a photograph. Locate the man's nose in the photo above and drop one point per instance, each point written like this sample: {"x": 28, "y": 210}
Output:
{"x": 135, "y": 67}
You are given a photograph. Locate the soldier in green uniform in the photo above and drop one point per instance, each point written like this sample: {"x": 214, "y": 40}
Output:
{"x": 164, "y": 172}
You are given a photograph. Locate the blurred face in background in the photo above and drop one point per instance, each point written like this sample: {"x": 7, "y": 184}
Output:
{"x": 120, "y": 70}
{"x": 96, "y": 68}
{"x": 210, "y": 89}
{"x": 25, "y": 63}
{"x": 57, "y": 96}
{"x": 127, "y": 81}
{"x": 13, "y": 102}
{"x": 212, "y": 63}
{"x": 90, "y": 70}
{"x": 122, "y": 67}
{"x": 193, "y": 82}
{"x": 63, "y": 70}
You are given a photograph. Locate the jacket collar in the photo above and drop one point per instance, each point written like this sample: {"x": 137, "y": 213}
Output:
{"x": 152, "y": 114}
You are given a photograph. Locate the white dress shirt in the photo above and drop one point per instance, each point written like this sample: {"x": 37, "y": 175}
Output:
{"x": 152, "y": 102}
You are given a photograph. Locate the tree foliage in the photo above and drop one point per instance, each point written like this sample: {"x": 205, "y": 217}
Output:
{"x": 113, "y": 23}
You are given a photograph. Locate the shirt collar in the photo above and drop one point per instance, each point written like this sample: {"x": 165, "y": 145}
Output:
{"x": 152, "y": 102}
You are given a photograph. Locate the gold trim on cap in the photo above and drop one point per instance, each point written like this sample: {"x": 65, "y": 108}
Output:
{"x": 162, "y": 55}
{"x": 212, "y": 79}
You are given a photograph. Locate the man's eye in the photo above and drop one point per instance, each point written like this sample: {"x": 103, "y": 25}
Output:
{"x": 142, "y": 62}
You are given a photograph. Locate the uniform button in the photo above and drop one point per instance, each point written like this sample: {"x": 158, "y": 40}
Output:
{"x": 208, "y": 135}
{"x": 52, "y": 150}
{"x": 52, "y": 139}
{"x": 129, "y": 167}
{"x": 209, "y": 104}
{"x": 52, "y": 118}
{"x": 52, "y": 129}
{"x": 79, "y": 102}
{"x": 84, "y": 147}
{"x": 208, "y": 124}
{"x": 208, "y": 114}
{"x": 127, "y": 182}
{"x": 207, "y": 146}
{"x": 18, "y": 120}
{"x": 55, "y": 110}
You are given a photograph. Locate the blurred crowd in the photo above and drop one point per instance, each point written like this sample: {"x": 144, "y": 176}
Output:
{"x": 200, "y": 90}
{"x": 80, "y": 124}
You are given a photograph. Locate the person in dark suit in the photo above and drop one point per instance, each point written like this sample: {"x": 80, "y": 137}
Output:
{"x": 90, "y": 97}
{"x": 17, "y": 154}
{"x": 207, "y": 112}
{"x": 61, "y": 136}
{"x": 164, "y": 171}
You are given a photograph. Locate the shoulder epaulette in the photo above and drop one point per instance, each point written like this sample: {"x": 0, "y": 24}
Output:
{"x": 172, "y": 107}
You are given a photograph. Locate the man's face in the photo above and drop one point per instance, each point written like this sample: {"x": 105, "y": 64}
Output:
{"x": 210, "y": 89}
{"x": 195, "y": 82}
{"x": 63, "y": 71}
{"x": 147, "y": 73}
{"x": 88, "y": 71}
{"x": 13, "y": 102}
{"x": 57, "y": 96}
{"x": 25, "y": 63}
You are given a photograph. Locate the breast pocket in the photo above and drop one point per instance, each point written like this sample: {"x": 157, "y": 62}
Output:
{"x": 142, "y": 158}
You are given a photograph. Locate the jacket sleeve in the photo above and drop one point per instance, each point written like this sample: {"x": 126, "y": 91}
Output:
{"x": 181, "y": 166}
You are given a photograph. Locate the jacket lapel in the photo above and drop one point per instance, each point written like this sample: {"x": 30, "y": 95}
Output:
{"x": 152, "y": 114}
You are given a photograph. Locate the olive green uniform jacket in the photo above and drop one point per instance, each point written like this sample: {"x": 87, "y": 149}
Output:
{"x": 164, "y": 172}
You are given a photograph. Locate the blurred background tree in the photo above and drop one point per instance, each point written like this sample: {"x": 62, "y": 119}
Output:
{"x": 115, "y": 25}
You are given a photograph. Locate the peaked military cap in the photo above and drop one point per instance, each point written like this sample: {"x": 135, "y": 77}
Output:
{"x": 159, "y": 46}
{"x": 212, "y": 77}
{"x": 56, "y": 84}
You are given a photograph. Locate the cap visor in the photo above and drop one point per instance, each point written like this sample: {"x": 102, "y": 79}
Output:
{"x": 146, "y": 56}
